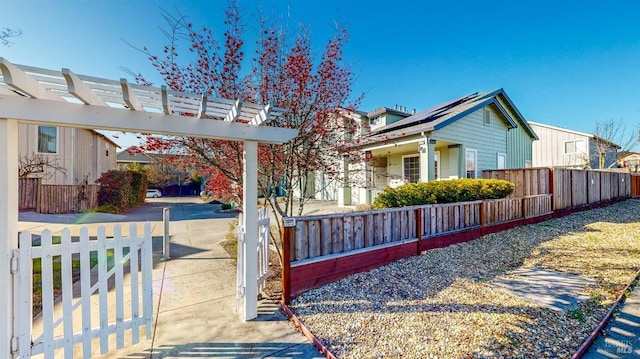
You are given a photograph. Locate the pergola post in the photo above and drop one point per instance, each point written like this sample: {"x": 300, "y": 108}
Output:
{"x": 250, "y": 219}
{"x": 8, "y": 227}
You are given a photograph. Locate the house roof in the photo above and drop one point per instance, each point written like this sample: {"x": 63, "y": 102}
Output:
{"x": 131, "y": 154}
{"x": 446, "y": 113}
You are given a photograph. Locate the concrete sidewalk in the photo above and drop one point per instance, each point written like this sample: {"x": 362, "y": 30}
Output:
{"x": 194, "y": 301}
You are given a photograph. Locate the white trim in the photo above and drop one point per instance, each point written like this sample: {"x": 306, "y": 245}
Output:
{"x": 498, "y": 155}
{"x": 560, "y": 129}
{"x": 393, "y": 144}
{"x": 475, "y": 157}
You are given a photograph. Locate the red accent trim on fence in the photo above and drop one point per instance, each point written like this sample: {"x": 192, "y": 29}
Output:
{"x": 449, "y": 239}
{"x": 596, "y": 332}
{"x": 308, "y": 276}
{"x": 298, "y": 324}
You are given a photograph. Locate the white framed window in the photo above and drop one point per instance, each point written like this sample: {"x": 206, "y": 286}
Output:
{"x": 411, "y": 168}
{"x": 501, "y": 161}
{"x": 575, "y": 146}
{"x": 471, "y": 162}
{"x": 47, "y": 139}
{"x": 486, "y": 118}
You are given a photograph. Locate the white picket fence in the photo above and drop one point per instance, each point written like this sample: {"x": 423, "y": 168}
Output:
{"x": 112, "y": 257}
{"x": 264, "y": 226}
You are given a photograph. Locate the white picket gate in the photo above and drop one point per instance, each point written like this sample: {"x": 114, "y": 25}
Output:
{"x": 262, "y": 252}
{"x": 111, "y": 257}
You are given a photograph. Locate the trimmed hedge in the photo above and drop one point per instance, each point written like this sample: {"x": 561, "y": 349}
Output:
{"x": 448, "y": 191}
{"x": 122, "y": 189}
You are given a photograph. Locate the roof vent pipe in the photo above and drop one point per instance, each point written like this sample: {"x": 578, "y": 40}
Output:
{"x": 414, "y": 111}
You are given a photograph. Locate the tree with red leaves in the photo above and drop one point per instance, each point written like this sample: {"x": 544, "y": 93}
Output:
{"x": 314, "y": 91}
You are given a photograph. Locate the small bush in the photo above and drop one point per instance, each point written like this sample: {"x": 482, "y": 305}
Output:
{"x": 449, "y": 191}
{"x": 106, "y": 208}
{"x": 226, "y": 206}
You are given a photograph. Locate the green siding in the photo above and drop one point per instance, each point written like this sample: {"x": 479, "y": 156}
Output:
{"x": 519, "y": 142}
{"x": 472, "y": 133}
{"x": 519, "y": 147}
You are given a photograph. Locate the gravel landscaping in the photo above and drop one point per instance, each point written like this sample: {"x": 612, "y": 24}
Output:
{"x": 442, "y": 304}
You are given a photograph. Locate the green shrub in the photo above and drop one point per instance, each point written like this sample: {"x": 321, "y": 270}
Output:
{"x": 115, "y": 189}
{"x": 226, "y": 206}
{"x": 106, "y": 208}
{"x": 138, "y": 188}
{"x": 449, "y": 191}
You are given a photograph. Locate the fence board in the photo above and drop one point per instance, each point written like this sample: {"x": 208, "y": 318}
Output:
{"x": 28, "y": 193}
{"x": 58, "y": 199}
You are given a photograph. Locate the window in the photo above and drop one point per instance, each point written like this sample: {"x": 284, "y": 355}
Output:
{"x": 502, "y": 161}
{"x": 376, "y": 120}
{"x": 471, "y": 160}
{"x": 486, "y": 118}
{"x": 575, "y": 146}
{"x": 106, "y": 149}
{"x": 411, "y": 168}
{"x": 47, "y": 139}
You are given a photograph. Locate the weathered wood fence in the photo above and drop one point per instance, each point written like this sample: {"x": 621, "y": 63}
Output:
{"x": 635, "y": 185}
{"x": 28, "y": 193}
{"x": 56, "y": 199}
{"x": 324, "y": 248}
{"x": 571, "y": 188}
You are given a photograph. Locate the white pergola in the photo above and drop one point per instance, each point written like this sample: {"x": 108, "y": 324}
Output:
{"x": 63, "y": 98}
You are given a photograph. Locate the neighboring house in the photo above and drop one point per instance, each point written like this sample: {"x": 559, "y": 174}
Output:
{"x": 561, "y": 147}
{"x": 133, "y": 155}
{"x": 84, "y": 154}
{"x": 630, "y": 160}
{"x": 457, "y": 139}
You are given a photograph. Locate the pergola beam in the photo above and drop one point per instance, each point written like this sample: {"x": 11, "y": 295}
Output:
{"x": 202, "y": 110}
{"x": 129, "y": 97}
{"x": 261, "y": 116}
{"x": 19, "y": 80}
{"x": 114, "y": 119}
{"x": 165, "y": 100}
{"x": 234, "y": 112}
{"x": 80, "y": 90}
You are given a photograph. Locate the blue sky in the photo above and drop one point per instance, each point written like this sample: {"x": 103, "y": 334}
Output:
{"x": 564, "y": 63}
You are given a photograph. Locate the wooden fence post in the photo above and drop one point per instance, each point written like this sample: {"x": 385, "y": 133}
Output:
{"x": 419, "y": 229}
{"x": 482, "y": 218}
{"x": 524, "y": 210}
{"x": 288, "y": 233}
{"x": 553, "y": 202}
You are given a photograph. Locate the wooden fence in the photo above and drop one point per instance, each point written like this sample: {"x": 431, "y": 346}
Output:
{"x": 28, "y": 193}
{"x": 325, "y": 248}
{"x": 527, "y": 181}
{"x": 635, "y": 185}
{"x": 574, "y": 188}
{"x": 57, "y": 199}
